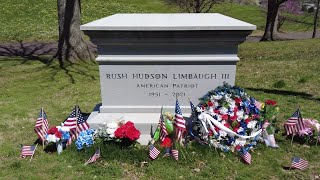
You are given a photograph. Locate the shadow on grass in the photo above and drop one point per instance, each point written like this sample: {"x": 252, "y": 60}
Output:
{"x": 286, "y": 93}
{"x": 42, "y": 52}
{"x": 29, "y": 51}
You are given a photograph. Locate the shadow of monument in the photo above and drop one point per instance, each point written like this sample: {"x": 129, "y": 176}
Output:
{"x": 286, "y": 93}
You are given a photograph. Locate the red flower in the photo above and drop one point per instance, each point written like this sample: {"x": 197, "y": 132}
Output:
{"x": 58, "y": 134}
{"x": 119, "y": 133}
{"x": 127, "y": 131}
{"x": 166, "y": 143}
{"x": 227, "y": 125}
{"x": 216, "y": 129}
{"x": 52, "y": 130}
{"x": 238, "y": 147}
{"x": 210, "y": 103}
{"x": 238, "y": 100}
{"x": 247, "y": 120}
{"x": 235, "y": 129}
{"x": 225, "y": 117}
{"x": 132, "y": 133}
{"x": 233, "y": 118}
{"x": 271, "y": 102}
{"x": 216, "y": 111}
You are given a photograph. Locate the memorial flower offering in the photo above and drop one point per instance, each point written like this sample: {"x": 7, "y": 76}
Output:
{"x": 121, "y": 131}
{"x": 85, "y": 139}
{"x": 229, "y": 119}
{"x": 58, "y": 135}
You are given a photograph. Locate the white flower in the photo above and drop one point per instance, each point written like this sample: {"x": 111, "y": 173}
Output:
{"x": 111, "y": 131}
{"x": 52, "y": 138}
{"x": 240, "y": 129}
{"x": 240, "y": 142}
{"x": 112, "y": 125}
{"x": 63, "y": 128}
{"x": 216, "y": 97}
{"x": 251, "y": 124}
{"x": 222, "y": 133}
{"x": 240, "y": 113}
{"x": 199, "y": 109}
{"x": 223, "y": 110}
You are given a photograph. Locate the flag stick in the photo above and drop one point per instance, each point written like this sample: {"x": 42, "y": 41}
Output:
{"x": 292, "y": 139}
{"x": 33, "y": 152}
{"x": 76, "y": 107}
{"x": 42, "y": 126}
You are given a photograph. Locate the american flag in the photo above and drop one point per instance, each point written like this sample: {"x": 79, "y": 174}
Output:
{"x": 175, "y": 154}
{"x": 299, "y": 163}
{"x": 193, "y": 110}
{"x": 76, "y": 123}
{"x": 294, "y": 123}
{"x": 179, "y": 121}
{"x": 42, "y": 125}
{"x": 94, "y": 157}
{"x": 163, "y": 129}
{"x": 27, "y": 151}
{"x": 153, "y": 152}
{"x": 245, "y": 156}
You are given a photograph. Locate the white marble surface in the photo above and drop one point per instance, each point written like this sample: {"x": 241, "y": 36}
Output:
{"x": 169, "y": 22}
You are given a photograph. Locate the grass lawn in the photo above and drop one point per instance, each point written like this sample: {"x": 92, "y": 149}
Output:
{"x": 288, "y": 72}
{"x": 38, "y": 22}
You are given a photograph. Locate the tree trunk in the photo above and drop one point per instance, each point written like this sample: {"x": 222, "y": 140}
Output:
{"x": 315, "y": 20}
{"x": 71, "y": 45}
{"x": 272, "y": 14}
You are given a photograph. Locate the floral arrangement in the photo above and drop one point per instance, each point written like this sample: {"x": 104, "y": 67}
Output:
{"x": 123, "y": 132}
{"x": 229, "y": 119}
{"x": 58, "y": 133}
{"x": 269, "y": 112}
{"x": 85, "y": 138}
{"x": 310, "y": 133}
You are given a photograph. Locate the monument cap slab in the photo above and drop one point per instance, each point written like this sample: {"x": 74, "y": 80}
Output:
{"x": 168, "y": 22}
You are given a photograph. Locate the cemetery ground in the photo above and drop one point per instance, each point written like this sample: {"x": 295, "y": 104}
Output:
{"x": 286, "y": 71}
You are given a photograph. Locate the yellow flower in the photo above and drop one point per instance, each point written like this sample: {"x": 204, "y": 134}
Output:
{"x": 262, "y": 105}
{"x": 277, "y": 109}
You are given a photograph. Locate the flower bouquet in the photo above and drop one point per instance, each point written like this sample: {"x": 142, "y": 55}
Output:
{"x": 123, "y": 132}
{"x": 58, "y": 135}
{"x": 85, "y": 138}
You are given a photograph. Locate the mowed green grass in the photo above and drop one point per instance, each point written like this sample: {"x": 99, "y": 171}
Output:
{"x": 32, "y": 20}
{"x": 287, "y": 72}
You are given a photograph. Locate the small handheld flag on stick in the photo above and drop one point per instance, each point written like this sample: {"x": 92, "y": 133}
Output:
{"x": 76, "y": 123}
{"x": 28, "y": 151}
{"x": 42, "y": 126}
{"x": 179, "y": 122}
{"x": 162, "y": 126}
{"x": 153, "y": 152}
{"x": 94, "y": 158}
{"x": 298, "y": 163}
{"x": 245, "y": 156}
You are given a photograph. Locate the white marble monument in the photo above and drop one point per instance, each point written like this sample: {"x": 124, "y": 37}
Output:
{"x": 147, "y": 60}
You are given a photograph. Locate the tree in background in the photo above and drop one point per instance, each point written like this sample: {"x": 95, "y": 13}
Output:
{"x": 271, "y": 26}
{"x": 71, "y": 44}
{"x": 194, "y": 6}
{"x": 315, "y": 20}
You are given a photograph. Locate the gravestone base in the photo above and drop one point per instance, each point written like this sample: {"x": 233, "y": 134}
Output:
{"x": 142, "y": 121}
